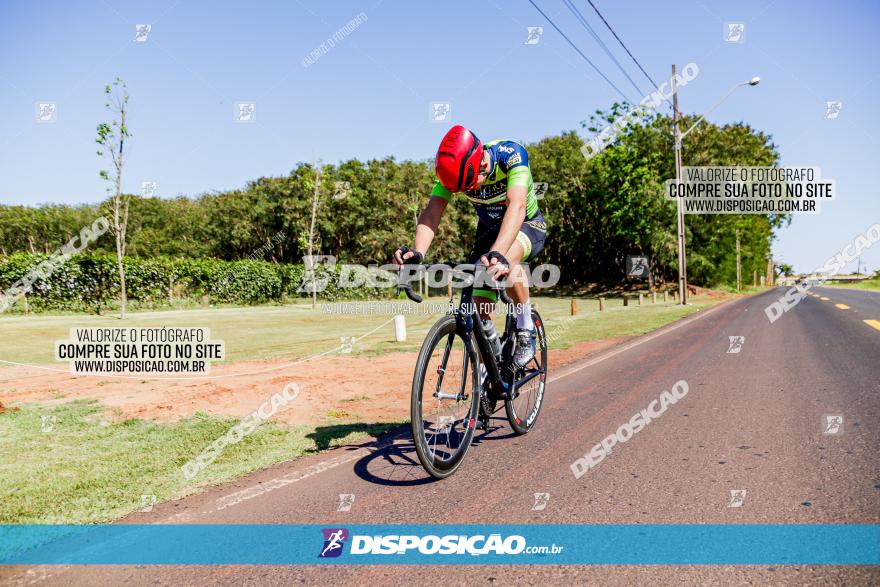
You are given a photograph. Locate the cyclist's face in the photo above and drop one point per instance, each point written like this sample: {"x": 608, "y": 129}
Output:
{"x": 485, "y": 169}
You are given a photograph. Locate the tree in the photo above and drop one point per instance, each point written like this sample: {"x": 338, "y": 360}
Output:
{"x": 112, "y": 137}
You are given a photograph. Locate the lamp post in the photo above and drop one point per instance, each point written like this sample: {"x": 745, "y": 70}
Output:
{"x": 682, "y": 253}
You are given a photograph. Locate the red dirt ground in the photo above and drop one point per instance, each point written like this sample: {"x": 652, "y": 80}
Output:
{"x": 354, "y": 388}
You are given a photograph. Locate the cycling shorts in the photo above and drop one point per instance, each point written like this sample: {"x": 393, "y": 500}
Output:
{"x": 531, "y": 236}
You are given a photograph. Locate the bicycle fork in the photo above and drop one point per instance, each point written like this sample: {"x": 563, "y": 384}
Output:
{"x": 441, "y": 373}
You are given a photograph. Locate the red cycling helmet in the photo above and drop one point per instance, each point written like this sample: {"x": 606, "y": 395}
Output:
{"x": 458, "y": 159}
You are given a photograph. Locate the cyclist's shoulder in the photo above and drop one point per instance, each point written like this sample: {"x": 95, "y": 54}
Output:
{"x": 509, "y": 153}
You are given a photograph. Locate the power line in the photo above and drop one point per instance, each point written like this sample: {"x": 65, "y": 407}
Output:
{"x": 655, "y": 84}
{"x": 575, "y": 47}
{"x": 580, "y": 17}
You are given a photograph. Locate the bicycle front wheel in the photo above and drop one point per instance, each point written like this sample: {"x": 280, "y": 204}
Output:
{"x": 445, "y": 398}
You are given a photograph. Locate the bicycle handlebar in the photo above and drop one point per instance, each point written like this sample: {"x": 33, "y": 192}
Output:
{"x": 468, "y": 268}
{"x": 409, "y": 292}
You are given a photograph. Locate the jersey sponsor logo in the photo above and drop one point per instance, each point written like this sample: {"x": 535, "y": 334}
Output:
{"x": 488, "y": 192}
{"x": 514, "y": 160}
{"x": 505, "y": 149}
{"x": 538, "y": 225}
{"x": 494, "y": 212}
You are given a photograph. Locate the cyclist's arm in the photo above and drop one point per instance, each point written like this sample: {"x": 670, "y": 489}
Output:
{"x": 429, "y": 220}
{"x": 513, "y": 218}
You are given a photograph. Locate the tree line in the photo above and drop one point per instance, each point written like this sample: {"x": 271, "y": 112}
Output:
{"x": 598, "y": 211}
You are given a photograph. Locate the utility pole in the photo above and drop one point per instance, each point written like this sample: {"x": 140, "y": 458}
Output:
{"x": 738, "y": 264}
{"x": 682, "y": 254}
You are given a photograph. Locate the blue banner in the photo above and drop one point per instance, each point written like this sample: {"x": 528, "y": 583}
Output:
{"x": 700, "y": 544}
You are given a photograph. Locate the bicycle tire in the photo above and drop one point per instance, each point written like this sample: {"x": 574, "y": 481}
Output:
{"x": 523, "y": 422}
{"x": 440, "y": 332}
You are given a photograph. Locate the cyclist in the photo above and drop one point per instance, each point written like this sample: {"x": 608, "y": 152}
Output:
{"x": 497, "y": 180}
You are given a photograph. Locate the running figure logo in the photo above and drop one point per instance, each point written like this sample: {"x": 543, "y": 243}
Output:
{"x": 832, "y": 109}
{"x": 346, "y": 500}
{"x": 736, "y": 344}
{"x": 636, "y": 267}
{"x": 334, "y": 539}
{"x": 440, "y": 111}
{"x": 734, "y": 32}
{"x": 141, "y": 32}
{"x": 541, "y": 501}
{"x": 833, "y": 425}
{"x": 46, "y": 112}
{"x": 737, "y": 498}
{"x": 541, "y": 188}
{"x": 535, "y": 33}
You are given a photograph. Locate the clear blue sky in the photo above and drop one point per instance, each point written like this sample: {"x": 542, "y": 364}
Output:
{"x": 369, "y": 96}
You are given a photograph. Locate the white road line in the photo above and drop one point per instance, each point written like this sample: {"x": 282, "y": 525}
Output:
{"x": 641, "y": 340}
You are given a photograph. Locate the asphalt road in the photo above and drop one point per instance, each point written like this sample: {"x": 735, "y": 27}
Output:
{"x": 751, "y": 421}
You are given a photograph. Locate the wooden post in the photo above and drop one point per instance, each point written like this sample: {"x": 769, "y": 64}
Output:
{"x": 675, "y": 296}
{"x": 665, "y": 296}
{"x": 640, "y": 299}
{"x": 738, "y": 264}
{"x": 574, "y": 306}
{"x": 625, "y": 300}
{"x": 756, "y": 278}
{"x": 601, "y": 304}
{"x": 653, "y": 297}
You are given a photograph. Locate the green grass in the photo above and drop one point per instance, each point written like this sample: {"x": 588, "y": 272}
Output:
{"x": 872, "y": 284}
{"x": 87, "y": 470}
{"x": 564, "y": 330}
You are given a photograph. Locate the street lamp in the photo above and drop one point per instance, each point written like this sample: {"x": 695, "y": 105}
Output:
{"x": 752, "y": 82}
{"x": 682, "y": 254}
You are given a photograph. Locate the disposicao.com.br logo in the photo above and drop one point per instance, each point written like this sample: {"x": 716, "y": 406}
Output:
{"x": 334, "y": 539}
{"x": 476, "y": 545}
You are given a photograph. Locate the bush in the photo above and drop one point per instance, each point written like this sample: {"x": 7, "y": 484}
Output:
{"x": 90, "y": 282}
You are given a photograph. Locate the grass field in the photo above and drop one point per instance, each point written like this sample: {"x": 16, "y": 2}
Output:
{"x": 296, "y": 331}
{"x": 81, "y": 469}
{"x": 872, "y": 284}
{"x": 85, "y": 468}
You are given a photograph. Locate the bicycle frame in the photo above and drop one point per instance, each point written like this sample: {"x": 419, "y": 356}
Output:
{"x": 465, "y": 325}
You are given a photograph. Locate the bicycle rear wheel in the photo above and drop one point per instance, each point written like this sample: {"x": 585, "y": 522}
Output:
{"x": 526, "y": 397}
{"x": 445, "y": 398}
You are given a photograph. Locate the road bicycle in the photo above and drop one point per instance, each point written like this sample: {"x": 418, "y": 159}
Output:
{"x": 459, "y": 380}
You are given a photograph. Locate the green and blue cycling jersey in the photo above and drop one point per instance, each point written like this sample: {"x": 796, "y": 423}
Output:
{"x": 509, "y": 168}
